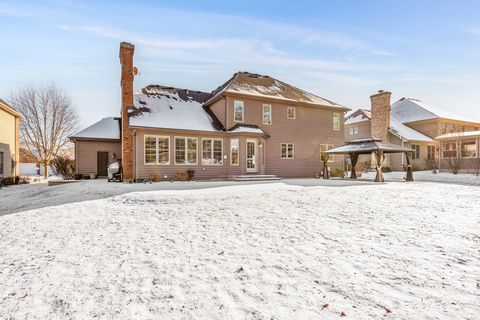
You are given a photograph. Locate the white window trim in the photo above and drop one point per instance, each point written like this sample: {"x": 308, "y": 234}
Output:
{"x": 263, "y": 114}
{"x": 331, "y": 156}
{"x": 293, "y": 151}
{"x": 415, "y": 151}
{"x": 294, "y": 113}
{"x": 442, "y": 150}
{"x": 334, "y": 114}
{"x": 230, "y": 153}
{"x": 211, "y": 152}
{"x": 157, "y": 163}
{"x": 243, "y": 111}
{"x": 460, "y": 149}
{"x": 186, "y": 151}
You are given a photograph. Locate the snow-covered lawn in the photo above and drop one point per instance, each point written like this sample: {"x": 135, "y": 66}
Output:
{"x": 442, "y": 177}
{"x": 271, "y": 251}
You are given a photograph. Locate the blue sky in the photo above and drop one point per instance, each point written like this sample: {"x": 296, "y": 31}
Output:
{"x": 340, "y": 50}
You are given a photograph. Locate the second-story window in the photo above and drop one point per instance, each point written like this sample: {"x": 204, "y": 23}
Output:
{"x": 291, "y": 113}
{"x": 238, "y": 111}
{"x": 336, "y": 121}
{"x": 267, "y": 114}
{"x": 353, "y": 130}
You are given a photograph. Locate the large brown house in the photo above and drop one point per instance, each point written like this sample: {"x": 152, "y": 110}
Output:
{"x": 250, "y": 125}
{"x": 411, "y": 123}
{"x": 9, "y": 141}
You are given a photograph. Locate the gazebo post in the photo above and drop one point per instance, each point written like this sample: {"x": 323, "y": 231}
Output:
{"x": 353, "y": 160}
{"x": 325, "y": 157}
{"x": 409, "y": 167}
{"x": 379, "y": 157}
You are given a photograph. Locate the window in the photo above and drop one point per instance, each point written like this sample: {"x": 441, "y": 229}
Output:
{"x": 336, "y": 121}
{"x": 157, "y": 150}
{"x": 291, "y": 113}
{"x": 416, "y": 152}
{"x": 353, "y": 130}
{"x": 185, "y": 150}
{"x": 468, "y": 149}
{"x": 449, "y": 150}
{"x": 234, "y": 151}
{"x": 267, "y": 114}
{"x": 287, "y": 151}
{"x": 1, "y": 162}
{"x": 323, "y": 148}
{"x": 431, "y": 152}
{"x": 238, "y": 110}
{"x": 212, "y": 153}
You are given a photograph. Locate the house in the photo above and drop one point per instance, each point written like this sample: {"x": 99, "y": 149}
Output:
{"x": 407, "y": 122}
{"x": 250, "y": 125}
{"x": 9, "y": 140}
{"x": 460, "y": 145}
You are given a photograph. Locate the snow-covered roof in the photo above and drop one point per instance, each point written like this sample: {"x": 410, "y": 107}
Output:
{"x": 359, "y": 115}
{"x": 108, "y": 128}
{"x": 265, "y": 86}
{"x": 467, "y": 134}
{"x": 245, "y": 129}
{"x": 171, "y": 108}
{"x": 398, "y": 128}
{"x": 367, "y": 145}
{"x": 409, "y": 110}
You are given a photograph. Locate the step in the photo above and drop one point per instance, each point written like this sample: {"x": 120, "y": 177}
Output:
{"x": 256, "y": 177}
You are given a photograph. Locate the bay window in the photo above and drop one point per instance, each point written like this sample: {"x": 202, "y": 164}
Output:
{"x": 449, "y": 150}
{"x": 468, "y": 149}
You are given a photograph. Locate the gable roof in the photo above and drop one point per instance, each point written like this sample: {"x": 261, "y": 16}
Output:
{"x": 410, "y": 110}
{"x": 396, "y": 126}
{"x": 4, "y": 106}
{"x": 172, "y": 108}
{"x": 106, "y": 129}
{"x": 358, "y": 115}
{"x": 253, "y": 84}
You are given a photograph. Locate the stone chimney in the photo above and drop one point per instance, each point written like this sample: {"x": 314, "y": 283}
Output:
{"x": 126, "y": 61}
{"x": 380, "y": 110}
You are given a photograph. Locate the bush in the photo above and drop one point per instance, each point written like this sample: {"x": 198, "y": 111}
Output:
{"x": 65, "y": 167}
{"x": 386, "y": 169}
{"x": 338, "y": 173}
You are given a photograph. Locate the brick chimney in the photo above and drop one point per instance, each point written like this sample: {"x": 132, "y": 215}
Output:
{"x": 126, "y": 61}
{"x": 380, "y": 110}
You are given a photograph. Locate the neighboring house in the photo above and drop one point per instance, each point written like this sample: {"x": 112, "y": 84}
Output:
{"x": 29, "y": 163}
{"x": 407, "y": 122}
{"x": 252, "y": 124}
{"x": 9, "y": 141}
{"x": 97, "y": 146}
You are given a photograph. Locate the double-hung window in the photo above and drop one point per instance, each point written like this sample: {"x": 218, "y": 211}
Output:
{"x": 267, "y": 113}
{"x": 449, "y": 150}
{"x": 323, "y": 148}
{"x": 353, "y": 130}
{"x": 430, "y": 152}
{"x": 287, "y": 151}
{"x": 234, "y": 152}
{"x": 468, "y": 149}
{"x": 416, "y": 151}
{"x": 336, "y": 121}
{"x": 157, "y": 150}
{"x": 212, "y": 151}
{"x": 185, "y": 150}
{"x": 291, "y": 113}
{"x": 238, "y": 111}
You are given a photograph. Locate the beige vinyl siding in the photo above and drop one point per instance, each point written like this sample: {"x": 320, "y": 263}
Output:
{"x": 363, "y": 131}
{"x": 218, "y": 109}
{"x": 311, "y": 127}
{"x": 86, "y": 154}
{"x": 8, "y": 145}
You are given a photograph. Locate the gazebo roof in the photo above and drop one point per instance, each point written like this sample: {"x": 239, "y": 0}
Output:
{"x": 366, "y": 146}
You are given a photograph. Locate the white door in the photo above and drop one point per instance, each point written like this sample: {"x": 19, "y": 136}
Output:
{"x": 251, "y": 155}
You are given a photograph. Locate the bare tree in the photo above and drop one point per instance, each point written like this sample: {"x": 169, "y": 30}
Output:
{"x": 48, "y": 120}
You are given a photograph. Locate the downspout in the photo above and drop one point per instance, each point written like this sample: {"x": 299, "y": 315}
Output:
{"x": 134, "y": 138}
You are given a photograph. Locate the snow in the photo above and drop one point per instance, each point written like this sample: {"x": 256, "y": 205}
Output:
{"x": 409, "y": 109}
{"x": 429, "y": 176}
{"x": 406, "y": 132}
{"x": 169, "y": 111}
{"x": 467, "y": 134}
{"x": 107, "y": 128}
{"x": 245, "y": 129}
{"x": 248, "y": 252}
{"x": 356, "y": 119}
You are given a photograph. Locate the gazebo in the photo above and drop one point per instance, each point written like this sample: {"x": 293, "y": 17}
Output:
{"x": 368, "y": 146}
